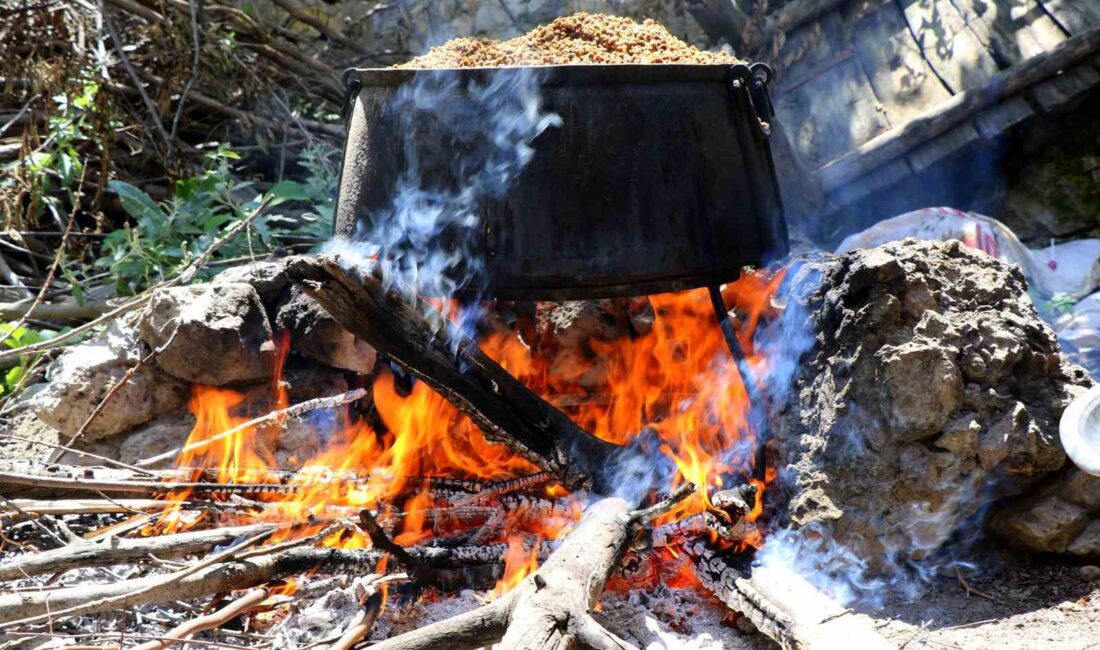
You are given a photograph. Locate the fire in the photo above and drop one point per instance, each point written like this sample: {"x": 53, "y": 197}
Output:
{"x": 675, "y": 384}
{"x": 521, "y": 560}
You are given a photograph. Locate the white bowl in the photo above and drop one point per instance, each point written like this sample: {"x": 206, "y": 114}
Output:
{"x": 1080, "y": 431}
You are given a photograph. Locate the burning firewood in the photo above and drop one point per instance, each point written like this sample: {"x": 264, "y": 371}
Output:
{"x": 549, "y": 609}
{"x": 105, "y": 552}
{"x": 224, "y": 572}
{"x": 412, "y": 333}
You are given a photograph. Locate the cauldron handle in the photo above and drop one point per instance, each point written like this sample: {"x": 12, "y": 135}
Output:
{"x": 753, "y": 80}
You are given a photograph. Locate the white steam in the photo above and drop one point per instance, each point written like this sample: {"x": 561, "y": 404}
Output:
{"x": 464, "y": 143}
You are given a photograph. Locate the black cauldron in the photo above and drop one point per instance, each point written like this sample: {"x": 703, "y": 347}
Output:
{"x": 659, "y": 178}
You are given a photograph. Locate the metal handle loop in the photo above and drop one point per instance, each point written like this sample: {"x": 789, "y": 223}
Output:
{"x": 754, "y": 80}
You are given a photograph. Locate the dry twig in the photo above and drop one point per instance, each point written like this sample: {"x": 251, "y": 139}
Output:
{"x": 274, "y": 417}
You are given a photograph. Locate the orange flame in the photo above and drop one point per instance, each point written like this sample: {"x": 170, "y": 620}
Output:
{"x": 520, "y": 561}
{"x": 676, "y": 382}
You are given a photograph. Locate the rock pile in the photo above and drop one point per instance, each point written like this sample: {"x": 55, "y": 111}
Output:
{"x": 931, "y": 389}
{"x": 222, "y": 334}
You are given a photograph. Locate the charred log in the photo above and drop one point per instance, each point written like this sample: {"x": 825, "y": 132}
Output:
{"x": 408, "y": 330}
{"x": 550, "y": 608}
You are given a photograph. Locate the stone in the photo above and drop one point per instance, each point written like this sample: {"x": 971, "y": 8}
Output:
{"x": 33, "y": 441}
{"x": 922, "y": 388}
{"x": 81, "y": 377}
{"x": 267, "y": 277}
{"x": 992, "y": 349}
{"x": 1047, "y": 524}
{"x": 960, "y": 436}
{"x": 307, "y": 379}
{"x": 995, "y": 444}
{"x": 211, "y": 334}
{"x": 1081, "y": 489}
{"x": 1087, "y": 542}
{"x": 314, "y": 334}
{"x": 1089, "y": 572}
{"x": 165, "y": 432}
{"x": 169, "y": 431}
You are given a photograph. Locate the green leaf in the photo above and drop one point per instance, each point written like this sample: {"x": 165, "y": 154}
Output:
{"x": 137, "y": 204}
{"x": 287, "y": 191}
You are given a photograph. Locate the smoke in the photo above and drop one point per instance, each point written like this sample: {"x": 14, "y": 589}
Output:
{"x": 934, "y": 539}
{"x": 464, "y": 142}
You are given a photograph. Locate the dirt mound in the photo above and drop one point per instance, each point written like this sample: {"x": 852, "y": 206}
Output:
{"x": 932, "y": 388}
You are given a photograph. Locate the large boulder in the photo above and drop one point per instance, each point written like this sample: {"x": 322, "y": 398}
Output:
{"x": 930, "y": 387}
{"x": 83, "y": 375}
{"x": 314, "y": 334}
{"x": 210, "y": 334}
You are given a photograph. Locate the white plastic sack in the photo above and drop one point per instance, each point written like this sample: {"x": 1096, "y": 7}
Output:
{"x": 1072, "y": 268}
{"x": 1079, "y": 333}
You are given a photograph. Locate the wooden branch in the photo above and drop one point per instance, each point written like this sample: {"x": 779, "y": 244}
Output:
{"x": 782, "y": 605}
{"x": 109, "y": 550}
{"x": 79, "y": 506}
{"x": 62, "y": 484}
{"x": 720, "y": 19}
{"x": 362, "y": 624}
{"x": 62, "y": 246}
{"x": 306, "y": 18}
{"x": 249, "y": 601}
{"x": 53, "y": 312}
{"x": 31, "y": 607}
{"x": 883, "y": 148}
{"x": 331, "y": 130}
{"x": 159, "y": 585}
{"x": 129, "y": 6}
{"x": 550, "y": 608}
{"x": 416, "y": 336}
{"x": 262, "y": 565}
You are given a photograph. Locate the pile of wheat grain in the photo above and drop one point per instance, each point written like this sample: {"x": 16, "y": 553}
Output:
{"x": 582, "y": 38}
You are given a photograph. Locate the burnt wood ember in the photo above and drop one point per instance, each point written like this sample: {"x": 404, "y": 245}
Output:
{"x": 411, "y": 332}
{"x": 738, "y": 499}
{"x": 700, "y": 525}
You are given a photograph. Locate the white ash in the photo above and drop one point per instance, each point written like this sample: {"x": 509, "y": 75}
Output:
{"x": 325, "y": 617}
{"x": 667, "y": 618}
{"x": 661, "y": 619}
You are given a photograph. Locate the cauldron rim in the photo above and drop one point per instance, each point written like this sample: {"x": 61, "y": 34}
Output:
{"x": 571, "y": 74}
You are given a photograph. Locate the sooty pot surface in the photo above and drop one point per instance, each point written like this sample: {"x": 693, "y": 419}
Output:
{"x": 655, "y": 178}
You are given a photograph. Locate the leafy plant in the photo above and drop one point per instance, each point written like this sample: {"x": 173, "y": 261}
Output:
{"x": 18, "y": 336}
{"x": 167, "y": 236}
{"x": 55, "y": 166}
